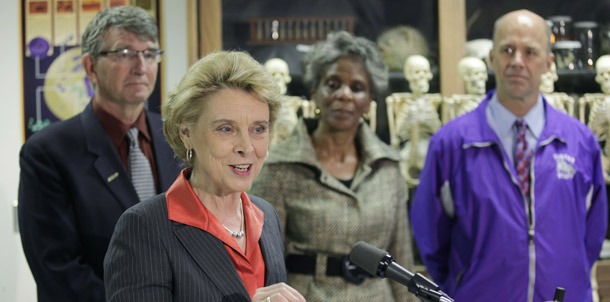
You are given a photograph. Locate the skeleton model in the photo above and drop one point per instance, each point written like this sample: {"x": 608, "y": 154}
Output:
{"x": 479, "y": 48}
{"x": 371, "y": 116}
{"x": 473, "y": 72}
{"x": 287, "y": 117}
{"x": 413, "y": 118}
{"x": 558, "y": 100}
{"x": 599, "y": 110}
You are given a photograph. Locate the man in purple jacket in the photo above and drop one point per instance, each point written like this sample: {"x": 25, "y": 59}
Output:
{"x": 512, "y": 201}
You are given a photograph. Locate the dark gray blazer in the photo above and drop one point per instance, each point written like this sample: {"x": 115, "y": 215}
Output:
{"x": 73, "y": 188}
{"x": 151, "y": 258}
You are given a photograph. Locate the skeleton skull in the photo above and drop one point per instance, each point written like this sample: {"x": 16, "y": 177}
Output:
{"x": 602, "y": 67}
{"x": 278, "y": 68}
{"x": 417, "y": 73}
{"x": 548, "y": 79}
{"x": 479, "y": 48}
{"x": 473, "y": 72}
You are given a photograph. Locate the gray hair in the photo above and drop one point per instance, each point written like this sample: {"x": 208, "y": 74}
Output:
{"x": 130, "y": 18}
{"x": 343, "y": 44}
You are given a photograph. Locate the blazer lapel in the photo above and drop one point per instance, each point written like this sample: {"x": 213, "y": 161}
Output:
{"x": 211, "y": 256}
{"x": 273, "y": 257}
{"x": 108, "y": 163}
{"x": 167, "y": 169}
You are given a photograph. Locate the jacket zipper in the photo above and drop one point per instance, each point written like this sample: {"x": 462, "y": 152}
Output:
{"x": 529, "y": 208}
{"x": 529, "y": 212}
{"x": 532, "y": 221}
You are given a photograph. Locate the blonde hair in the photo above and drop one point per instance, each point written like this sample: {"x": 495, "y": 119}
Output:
{"x": 212, "y": 73}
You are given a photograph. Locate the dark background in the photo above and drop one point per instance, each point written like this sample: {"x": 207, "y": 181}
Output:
{"x": 374, "y": 16}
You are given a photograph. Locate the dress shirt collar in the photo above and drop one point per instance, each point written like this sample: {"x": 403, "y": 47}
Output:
{"x": 184, "y": 206}
{"x": 116, "y": 129}
{"x": 503, "y": 120}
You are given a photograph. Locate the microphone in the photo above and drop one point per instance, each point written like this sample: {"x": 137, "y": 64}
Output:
{"x": 380, "y": 263}
{"x": 559, "y": 294}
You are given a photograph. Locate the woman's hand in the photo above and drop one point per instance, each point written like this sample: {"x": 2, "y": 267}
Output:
{"x": 279, "y": 292}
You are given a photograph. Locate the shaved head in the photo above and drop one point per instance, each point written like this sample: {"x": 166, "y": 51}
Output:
{"x": 525, "y": 18}
{"x": 521, "y": 53}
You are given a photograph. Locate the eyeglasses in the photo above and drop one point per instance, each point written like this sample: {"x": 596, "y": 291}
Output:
{"x": 151, "y": 56}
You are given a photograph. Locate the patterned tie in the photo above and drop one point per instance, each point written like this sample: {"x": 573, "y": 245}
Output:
{"x": 139, "y": 167}
{"x": 523, "y": 156}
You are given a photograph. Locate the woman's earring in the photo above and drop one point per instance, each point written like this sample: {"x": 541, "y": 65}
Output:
{"x": 189, "y": 154}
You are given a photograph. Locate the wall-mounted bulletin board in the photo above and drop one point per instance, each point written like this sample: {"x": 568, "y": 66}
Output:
{"x": 55, "y": 86}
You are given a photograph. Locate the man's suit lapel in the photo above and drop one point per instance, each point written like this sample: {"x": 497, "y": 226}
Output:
{"x": 211, "y": 255}
{"x": 108, "y": 163}
{"x": 167, "y": 170}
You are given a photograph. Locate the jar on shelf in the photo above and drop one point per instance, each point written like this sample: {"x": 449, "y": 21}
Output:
{"x": 562, "y": 29}
{"x": 587, "y": 33}
{"x": 567, "y": 54}
{"x": 604, "y": 37}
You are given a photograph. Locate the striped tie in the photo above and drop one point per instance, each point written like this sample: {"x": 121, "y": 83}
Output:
{"x": 523, "y": 156}
{"x": 139, "y": 167}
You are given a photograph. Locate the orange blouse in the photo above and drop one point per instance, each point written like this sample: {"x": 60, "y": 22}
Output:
{"x": 184, "y": 206}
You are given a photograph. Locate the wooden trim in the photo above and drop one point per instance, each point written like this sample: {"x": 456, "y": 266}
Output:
{"x": 452, "y": 42}
{"x": 192, "y": 32}
{"x": 162, "y": 70}
{"x": 204, "y": 19}
{"x": 210, "y": 26}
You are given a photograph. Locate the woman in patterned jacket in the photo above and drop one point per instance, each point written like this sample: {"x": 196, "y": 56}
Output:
{"x": 334, "y": 182}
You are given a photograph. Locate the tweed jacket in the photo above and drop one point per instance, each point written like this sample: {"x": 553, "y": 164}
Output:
{"x": 321, "y": 216}
{"x": 152, "y": 258}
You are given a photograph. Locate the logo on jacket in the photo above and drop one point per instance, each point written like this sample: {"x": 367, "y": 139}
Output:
{"x": 565, "y": 166}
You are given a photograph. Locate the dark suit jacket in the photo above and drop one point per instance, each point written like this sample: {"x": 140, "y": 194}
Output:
{"x": 73, "y": 188}
{"x": 151, "y": 258}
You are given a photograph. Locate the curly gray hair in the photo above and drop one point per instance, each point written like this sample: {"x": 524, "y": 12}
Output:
{"x": 130, "y": 18}
{"x": 343, "y": 44}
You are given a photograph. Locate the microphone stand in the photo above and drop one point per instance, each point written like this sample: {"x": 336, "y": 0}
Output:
{"x": 427, "y": 290}
{"x": 418, "y": 284}
{"x": 379, "y": 263}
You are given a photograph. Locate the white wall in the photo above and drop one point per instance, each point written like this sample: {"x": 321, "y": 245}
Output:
{"x": 16, "y": 282}
{"x": 175, "y": 61}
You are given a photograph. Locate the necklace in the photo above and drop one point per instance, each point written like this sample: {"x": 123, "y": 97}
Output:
{"x": 241, "y": 226}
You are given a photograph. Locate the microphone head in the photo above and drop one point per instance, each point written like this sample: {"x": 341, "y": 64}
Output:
{"x": 559, "y": 294}
{"x": 371, "y": 259}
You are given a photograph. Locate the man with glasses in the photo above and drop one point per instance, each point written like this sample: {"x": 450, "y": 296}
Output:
{"x": 79, "y": 175}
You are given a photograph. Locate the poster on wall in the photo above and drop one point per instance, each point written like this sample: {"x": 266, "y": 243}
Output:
{"x": 55, "y": 86}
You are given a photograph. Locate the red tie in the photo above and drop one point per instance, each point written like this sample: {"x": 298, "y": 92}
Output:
{"x": 523, "y": 157}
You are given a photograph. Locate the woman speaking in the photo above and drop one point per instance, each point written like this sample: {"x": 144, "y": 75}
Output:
{"x": 205, "y": 239}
